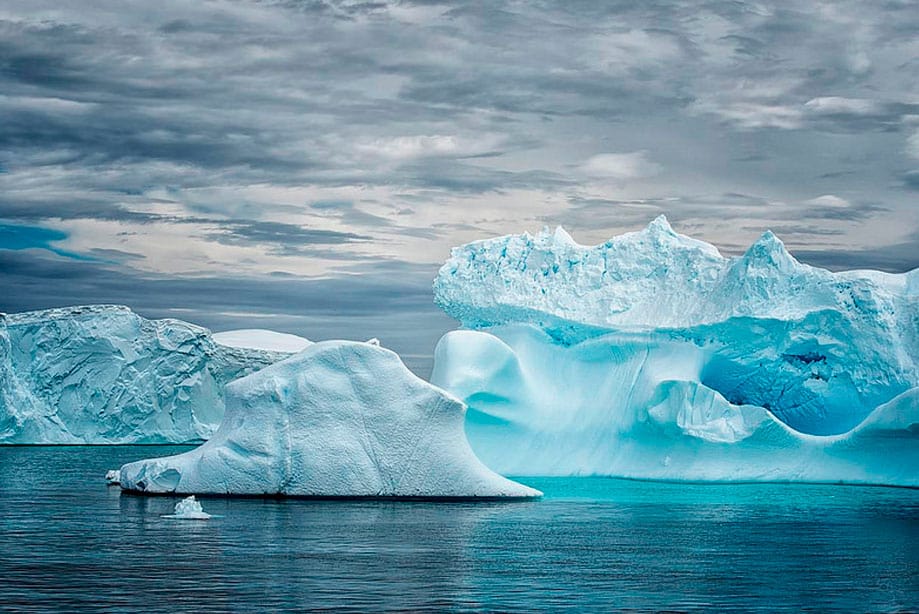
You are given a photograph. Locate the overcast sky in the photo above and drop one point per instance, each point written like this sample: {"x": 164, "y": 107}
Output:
{"x": 306, "y": 166}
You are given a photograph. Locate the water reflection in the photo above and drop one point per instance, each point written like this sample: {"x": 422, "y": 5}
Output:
{"x": 70, "y": 542}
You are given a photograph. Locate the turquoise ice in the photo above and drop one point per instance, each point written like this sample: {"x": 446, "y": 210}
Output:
{"x": 102, "y": 374}
{"x": 654, "y": 356}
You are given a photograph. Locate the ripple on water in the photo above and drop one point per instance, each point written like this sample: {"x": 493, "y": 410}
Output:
{"x": 71, "y": 542}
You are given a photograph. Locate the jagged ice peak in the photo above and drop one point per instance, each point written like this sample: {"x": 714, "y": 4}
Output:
{"x": 649, "y": 278}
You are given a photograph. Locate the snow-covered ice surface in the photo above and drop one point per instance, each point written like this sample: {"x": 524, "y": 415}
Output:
{"x": 189, "y": 509}
{"x": 652, "y": 356}
{"x": 262, "y": 339}
{"x": 340, "y": 419}
{"x": 104, "y": 375}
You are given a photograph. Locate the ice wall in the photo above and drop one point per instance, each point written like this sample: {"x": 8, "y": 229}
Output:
{"x": 634, "y": 405}
{"x": 656, "y": 278}
{"x": 651, "y": 355}
{"x": 103, "y": 374}
{"x": 820, "y": 350}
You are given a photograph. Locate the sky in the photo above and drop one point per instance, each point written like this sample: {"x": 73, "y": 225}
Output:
{"x": 307, "y": 166}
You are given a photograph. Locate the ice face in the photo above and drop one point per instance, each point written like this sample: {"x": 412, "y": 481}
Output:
{"x": 550, "y": 277}
{"x": 653, "y": 356}
{"x": 636, "y": 405}
{"x": 103, "y": 374}
{"x": 653, "y": 279}
{"x": 338, "y": 419}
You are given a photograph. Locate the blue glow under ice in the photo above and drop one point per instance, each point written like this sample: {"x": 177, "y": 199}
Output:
{"x": 653, "y": 356}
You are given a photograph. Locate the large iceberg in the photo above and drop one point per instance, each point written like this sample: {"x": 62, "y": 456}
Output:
{"x": 654, "y": 356}
{"x": 104, "y": 375}
{"x": 339, "y": 419}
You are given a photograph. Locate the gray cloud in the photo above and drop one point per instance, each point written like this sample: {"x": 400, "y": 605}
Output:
{"x": 284, "y": 239}
{"x": 911, "y": 180}
{"x": 345, "y": 133}
{"x": 895, "y": 258}
{"x": 388, "y": 300}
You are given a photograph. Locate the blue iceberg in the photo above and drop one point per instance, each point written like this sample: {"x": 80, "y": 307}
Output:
{"x": 654, "y": 356}
{"x": 101, "y": 374}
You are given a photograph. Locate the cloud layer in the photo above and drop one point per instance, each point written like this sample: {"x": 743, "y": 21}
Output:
{"x": 253, "y": 144}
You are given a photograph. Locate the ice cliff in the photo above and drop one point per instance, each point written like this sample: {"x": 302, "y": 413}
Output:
{"x": 654, "y": 356}
{"x": 103, "y": 374}
{"x": 339, "y": 419}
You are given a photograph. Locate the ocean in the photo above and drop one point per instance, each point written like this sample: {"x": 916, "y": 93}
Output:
{"x": 71, "y": 543}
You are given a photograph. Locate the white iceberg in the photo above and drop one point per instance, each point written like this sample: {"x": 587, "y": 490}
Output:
{"x": 652, "y": 356}
{"x": 104, "y": 375}
{"x": 340, "y": 419}
{"x": 262, "y": 339}
{"x": 189, "y": 509}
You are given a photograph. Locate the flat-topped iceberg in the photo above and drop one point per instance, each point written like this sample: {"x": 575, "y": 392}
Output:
{"x": 104, "y": 375}
{"x": 653, "y": 356}
{"x": 339, "y": 419}
{"x": 262, "y": 339}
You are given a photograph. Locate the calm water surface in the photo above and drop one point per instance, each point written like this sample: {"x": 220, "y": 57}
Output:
{"x": 70, "y": 543}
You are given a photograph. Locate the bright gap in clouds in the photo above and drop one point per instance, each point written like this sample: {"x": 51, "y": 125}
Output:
{"x": 349, "y": 146}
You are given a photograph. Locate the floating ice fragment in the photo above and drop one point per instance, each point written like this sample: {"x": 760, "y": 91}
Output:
{"x": 189, "y": 509}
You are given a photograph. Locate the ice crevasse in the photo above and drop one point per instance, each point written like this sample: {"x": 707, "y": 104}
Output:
{"x": 654, "y": 356}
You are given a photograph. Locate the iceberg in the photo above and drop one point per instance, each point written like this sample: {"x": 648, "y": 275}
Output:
{"x": 654, "y": 356}
{"x": 261, "y": 339}
{"x": 104, "y": 375}
{"x": 339, "y": 419}
{"x": 189, "y": 509}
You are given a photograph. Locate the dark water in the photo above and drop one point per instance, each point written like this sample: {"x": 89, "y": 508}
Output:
{"x": 70, "y": 543}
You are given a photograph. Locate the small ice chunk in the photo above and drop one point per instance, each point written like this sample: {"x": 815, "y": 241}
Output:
{"x": 113, "y": 477}
{"x": 373, "y": 341}
{"x": 189, "y": 509}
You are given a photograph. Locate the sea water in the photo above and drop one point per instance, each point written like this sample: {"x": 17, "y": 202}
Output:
{"x": 69, "y": 542}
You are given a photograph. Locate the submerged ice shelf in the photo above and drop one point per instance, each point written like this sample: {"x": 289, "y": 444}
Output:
{"x": 652, "y": 356}
{"x": 339, "y": 419}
